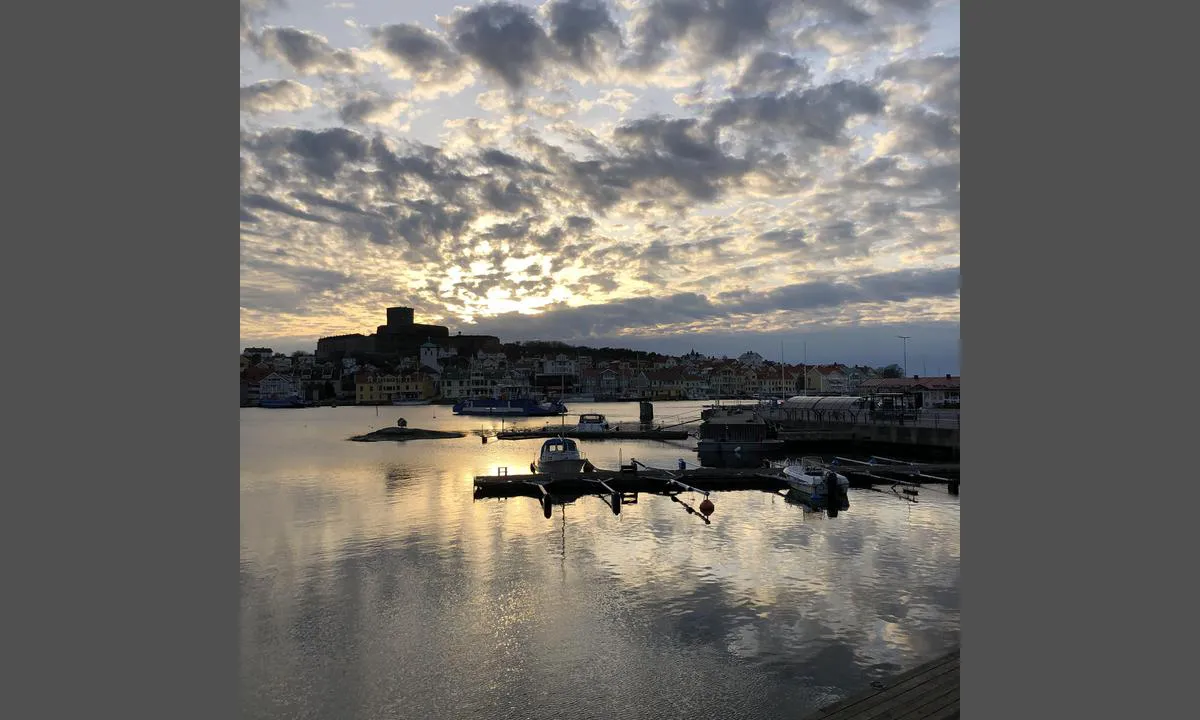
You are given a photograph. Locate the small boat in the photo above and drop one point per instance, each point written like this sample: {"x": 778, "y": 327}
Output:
{"x": 814, "y": 482}
{"x": 592, "y": 422}
{"x": 561, "y": 455}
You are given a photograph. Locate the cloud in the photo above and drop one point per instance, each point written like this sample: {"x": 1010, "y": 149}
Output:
{"x": 583, "y": 29}
{"x": 267, "y": 96}
{"x": 505, "y": 39}
{"x": 818, "y": 114}
{"x": 413, "y": 52}
{"x": 771, "y": 72}
{"x": 685, "y": 310}
{"x": 262, "y": 202}
{"x": 372, "y": 108}
{"x": 708, "y": 29}
{"x": 305, "y": 52}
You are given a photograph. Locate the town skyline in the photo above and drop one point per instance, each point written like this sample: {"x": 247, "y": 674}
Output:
{"x": 649, "y": 174}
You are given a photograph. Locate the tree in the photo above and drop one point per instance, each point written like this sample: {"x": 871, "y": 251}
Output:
{"x": 891, "y": 371}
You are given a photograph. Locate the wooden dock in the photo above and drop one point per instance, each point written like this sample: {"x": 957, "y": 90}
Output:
{"x": 929, "y": 692}
{"x": 628, "y": 480}
{"x": 593, "y": 435}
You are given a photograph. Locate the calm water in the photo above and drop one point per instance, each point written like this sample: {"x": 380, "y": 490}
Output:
{"x": 374, "y": 586}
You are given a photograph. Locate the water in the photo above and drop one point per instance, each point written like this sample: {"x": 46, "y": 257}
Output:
{"x": 374, "y": 586}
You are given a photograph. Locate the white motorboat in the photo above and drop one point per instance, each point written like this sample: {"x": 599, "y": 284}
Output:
{"x": 814, "y": 480}
{"x": 592, "y": 422}
{"x": 561, "y": 455}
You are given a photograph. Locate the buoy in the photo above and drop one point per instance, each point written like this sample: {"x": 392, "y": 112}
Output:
{"x": 706, "y": 507}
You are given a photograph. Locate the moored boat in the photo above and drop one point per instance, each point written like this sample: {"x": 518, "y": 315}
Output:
{"x": 561, "y": 455}
{"x": 816, "y": 483}
{"x": 592, "y": 423}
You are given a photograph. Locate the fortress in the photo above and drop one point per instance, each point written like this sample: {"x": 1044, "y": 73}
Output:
{"x": 400, "y": 337}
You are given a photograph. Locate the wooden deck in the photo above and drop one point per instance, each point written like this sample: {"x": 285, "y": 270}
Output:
{"x": 928, "y": 692}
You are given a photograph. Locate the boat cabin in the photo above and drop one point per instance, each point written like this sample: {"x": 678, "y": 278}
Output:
{"x": 592, "y": 422}
{"x": 559, "y": 446}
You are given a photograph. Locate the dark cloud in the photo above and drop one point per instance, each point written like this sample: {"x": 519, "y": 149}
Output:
{"x": 508, "y": 230}
{"x": 498, "y": 158}
{"x": 418, "y": 53}
{"x": 421, "y": 162}
{"x": 714, "y": 29}
{"x": 510, "y": 198}
{"x": 771, "y": 72}
{"x": 504, "y": 39}
{"x": 919, "y": 130}
{"x": 938, "y": 75}
{"x": 275, "y": 96}
{"x": 366, "y": 109}
{"x": 790, "y": 239}
{"x": 818, "y": 114}
{"x": 667, "y": 157}
{"x": 309, "y": 198}
{"x": 581, "y": 28}
{"x": 306, "y": 52}
{"x": 583, "y": 224}
{"x": 604, "y": 283}
{"x": 262, "y": 202}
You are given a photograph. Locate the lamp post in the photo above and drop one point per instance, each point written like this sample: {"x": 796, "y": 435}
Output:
{"x": 904, "y": 367}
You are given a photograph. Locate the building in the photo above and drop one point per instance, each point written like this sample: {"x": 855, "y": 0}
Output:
{"x": 278, "y": 387}
{"x": 928, "y": 392}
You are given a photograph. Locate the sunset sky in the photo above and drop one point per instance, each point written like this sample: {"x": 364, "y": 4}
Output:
{"x": 658, "y": 174}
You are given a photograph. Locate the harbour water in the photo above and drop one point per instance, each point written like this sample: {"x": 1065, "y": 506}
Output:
{"x": 374, "y": 586}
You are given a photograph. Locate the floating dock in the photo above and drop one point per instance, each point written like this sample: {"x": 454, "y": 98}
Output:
{"x": 641, "y": 479}
{"x": 929, "y": 692}
{"x": 593, "y": 435}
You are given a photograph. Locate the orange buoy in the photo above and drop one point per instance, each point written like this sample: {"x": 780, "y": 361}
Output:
{"x": 707, "y": 507}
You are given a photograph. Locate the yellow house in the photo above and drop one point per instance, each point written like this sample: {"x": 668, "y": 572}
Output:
{"x": 374, "y": 389}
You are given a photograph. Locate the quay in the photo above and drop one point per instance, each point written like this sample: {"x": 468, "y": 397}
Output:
{"x": 929, "y": 691}
{"x": 594, "y": 435}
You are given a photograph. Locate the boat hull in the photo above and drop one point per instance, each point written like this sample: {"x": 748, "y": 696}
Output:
{"x": 278, "y": 404}
{"x": 573, "y": 465}
{"x": 399, "y": 403}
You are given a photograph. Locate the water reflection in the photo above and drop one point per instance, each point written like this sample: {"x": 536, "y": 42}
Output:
{"x": 374, "y": 586}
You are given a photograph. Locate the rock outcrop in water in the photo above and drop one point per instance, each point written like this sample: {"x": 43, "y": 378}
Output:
{"x": 400, "y": 434}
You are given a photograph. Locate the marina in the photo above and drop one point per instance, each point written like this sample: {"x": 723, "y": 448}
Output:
{"x": 346, "y": 543}
{"x": 811, "y": 481}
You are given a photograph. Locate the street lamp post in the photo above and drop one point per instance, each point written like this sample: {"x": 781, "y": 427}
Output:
{"x": 904, "y": 367}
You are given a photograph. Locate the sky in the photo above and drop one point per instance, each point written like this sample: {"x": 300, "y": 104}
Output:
{"x": 724, "y": 175}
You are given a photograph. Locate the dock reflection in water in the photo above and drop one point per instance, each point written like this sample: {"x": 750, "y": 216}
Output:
{"x": 374, "y": 586}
